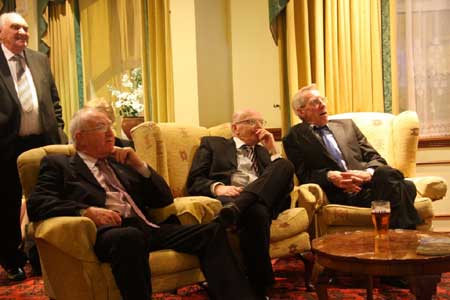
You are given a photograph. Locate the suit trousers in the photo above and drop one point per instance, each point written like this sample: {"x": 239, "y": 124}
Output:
{"x": 127, "y": 248}
{"x": 266, "y": 197}
{"x": 10, "y": 234}
{"x": 387, "y": 184}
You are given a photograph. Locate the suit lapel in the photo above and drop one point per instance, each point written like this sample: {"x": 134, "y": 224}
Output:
{"x": 231, "y": 152}
{"x": 7, "y": 78}
{"x": 81, "y": 169}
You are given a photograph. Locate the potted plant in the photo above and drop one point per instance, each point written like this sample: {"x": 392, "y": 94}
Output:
{"x": 129, "y": 99}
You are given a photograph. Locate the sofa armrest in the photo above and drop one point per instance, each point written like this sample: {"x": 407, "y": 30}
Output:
{"x": 190, "y": 210}
{"x": 433, "y": 187}
{"x": 74, "y": 236}
{"x": 310, "y": 196}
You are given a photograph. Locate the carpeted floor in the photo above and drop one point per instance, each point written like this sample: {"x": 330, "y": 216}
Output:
{"x": 289, "y": 286}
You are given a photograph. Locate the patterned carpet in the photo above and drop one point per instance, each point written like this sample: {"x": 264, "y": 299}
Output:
{"x": 289, "y": 286}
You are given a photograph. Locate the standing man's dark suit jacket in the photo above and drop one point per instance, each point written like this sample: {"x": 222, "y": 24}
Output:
{"x": 11, "y": 145}
{"x": 312, "y": 161}
{"x": 216, "y": 161}
{"x": 49, "y": 107}
{"x": 66, "y": 185}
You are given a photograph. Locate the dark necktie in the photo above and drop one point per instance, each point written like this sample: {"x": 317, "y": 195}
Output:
{"x": 23, "y": 86}
{"x": 249, "y": 152}
{"x": 324, "y": 133}
{"x": 114, "y": 184}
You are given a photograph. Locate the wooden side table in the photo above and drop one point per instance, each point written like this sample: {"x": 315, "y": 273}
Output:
{"x": 360, "y": 252}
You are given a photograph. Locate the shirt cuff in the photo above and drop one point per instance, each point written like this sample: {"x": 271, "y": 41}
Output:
{"x": 370, "y": 171}
{"x": 275, "y": 156}
{"x": 144, "y": 171}
{"x": 213, "y": 187}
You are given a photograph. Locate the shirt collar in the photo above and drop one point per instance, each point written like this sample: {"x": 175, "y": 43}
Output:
{"x": 88, "y": 160}
{"x": 239, "y": 142}
{"x": 8, "y": 53}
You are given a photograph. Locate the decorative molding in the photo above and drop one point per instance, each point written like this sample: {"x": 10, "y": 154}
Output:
{"x": 276, "y": 133}
{"x": 434, "y": 142}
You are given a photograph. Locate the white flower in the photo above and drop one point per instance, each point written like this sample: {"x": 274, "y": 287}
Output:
{"x": 129, "y": 99}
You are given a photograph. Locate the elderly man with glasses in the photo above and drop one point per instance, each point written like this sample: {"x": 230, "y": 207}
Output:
{"x": 336, "y": 155}
{"x": 247, "y": 174}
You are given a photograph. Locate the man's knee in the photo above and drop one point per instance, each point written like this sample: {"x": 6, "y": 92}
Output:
{"x": 283, "y": 166}
{"x": 386, "y": 173}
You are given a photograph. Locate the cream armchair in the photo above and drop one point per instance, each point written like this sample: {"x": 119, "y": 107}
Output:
{"x": 396, "y": 139}
{"x": 171, "y": 147}
{"x": 71, "y": 270}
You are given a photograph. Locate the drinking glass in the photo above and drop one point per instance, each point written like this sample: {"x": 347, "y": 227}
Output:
{"x": 381, "y": 212}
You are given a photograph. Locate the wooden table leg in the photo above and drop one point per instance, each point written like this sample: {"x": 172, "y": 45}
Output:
{"x": 369, "y": 288}
{"x": 423, "y": 287}
{"x": 322, "y": 291}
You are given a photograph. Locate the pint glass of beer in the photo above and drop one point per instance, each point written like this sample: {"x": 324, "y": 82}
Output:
{"x": 381, "y": 211}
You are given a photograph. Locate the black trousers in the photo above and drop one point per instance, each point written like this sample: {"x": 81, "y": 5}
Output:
{"x": 270, "y": 195}
{"x": 387, "y": 184}
{"x": 127, "y": 248}
{"x": 10, "y": 234}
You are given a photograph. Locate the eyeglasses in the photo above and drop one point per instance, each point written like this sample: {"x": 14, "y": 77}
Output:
{"x": 316, "y": 101}
{"x": 253, "y": 122}
{"x": 101, "y": 127}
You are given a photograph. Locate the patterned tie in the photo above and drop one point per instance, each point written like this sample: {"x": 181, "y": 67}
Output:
{"x": 115, "y": 185}
{"x": 334, "y": 152}
{"x": 249, "y": 152}
{"x": 23, "y": 86}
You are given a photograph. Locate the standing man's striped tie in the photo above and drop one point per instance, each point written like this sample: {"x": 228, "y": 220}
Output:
{"x": 23, "y": 86}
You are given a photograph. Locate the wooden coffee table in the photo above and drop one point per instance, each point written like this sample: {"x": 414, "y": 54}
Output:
{"x": 359, "y": 252}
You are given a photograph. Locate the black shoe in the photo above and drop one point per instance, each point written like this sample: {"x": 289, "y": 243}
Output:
{"x": 229, "y": 215}
{"x": 394, "y": 281}
{"x": 15, "y": 274}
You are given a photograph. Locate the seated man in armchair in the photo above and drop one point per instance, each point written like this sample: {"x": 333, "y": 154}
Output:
{"x": 337, "y": 156}
{"x": 113, "y": 187}
{"x": 253, "y": 183}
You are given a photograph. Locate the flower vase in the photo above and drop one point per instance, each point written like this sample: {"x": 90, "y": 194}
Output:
{"x": 128, "y": 123}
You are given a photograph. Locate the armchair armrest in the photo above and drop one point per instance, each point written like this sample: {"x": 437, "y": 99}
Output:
{"x": 433, "y": 187}
{"x": 74, "y": 236}
{"x": 190, "y": 210}
{"x": 310, "y": 196}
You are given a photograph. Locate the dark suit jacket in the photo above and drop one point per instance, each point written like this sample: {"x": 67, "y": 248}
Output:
{"x": 49, "y": 107}
{"x": 312, "y": 161}
{"x": 215, "y": 161}
{"x": 66, "y": 185}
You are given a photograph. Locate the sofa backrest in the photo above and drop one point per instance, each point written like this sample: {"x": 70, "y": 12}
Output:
{"x": 28, "y": 164}
{"x": 395, "y": 137}
{"x": 170, "y": 149}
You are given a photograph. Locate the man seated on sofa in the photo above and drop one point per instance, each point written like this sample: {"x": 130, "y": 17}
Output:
{"x": 336, "y": 155}
{"x": 247, "y": 174}
{"x": 113, "y": 187}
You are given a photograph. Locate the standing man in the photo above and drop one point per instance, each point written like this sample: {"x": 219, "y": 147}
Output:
{"x": 337, "y": 156}
{"x": 30, "y": 116}
{"x": 114, "y": 188}
{"x": 252, "y": 181}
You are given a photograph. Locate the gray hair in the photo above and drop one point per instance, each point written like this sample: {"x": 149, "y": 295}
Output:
{"x": 299, "y": 100}
{"x": 79, "y": 120}
{"x": 6, "y": 16}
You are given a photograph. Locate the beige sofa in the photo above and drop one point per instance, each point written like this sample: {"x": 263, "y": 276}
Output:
{"x": 396, "y": 139}
{"x": 170, "y": 148}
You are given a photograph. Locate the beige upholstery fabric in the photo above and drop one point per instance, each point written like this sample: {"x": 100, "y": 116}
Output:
{"x": 66, "y": 244}
{"x": 396, "y": 139}
{"x": 176, "y": 144}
